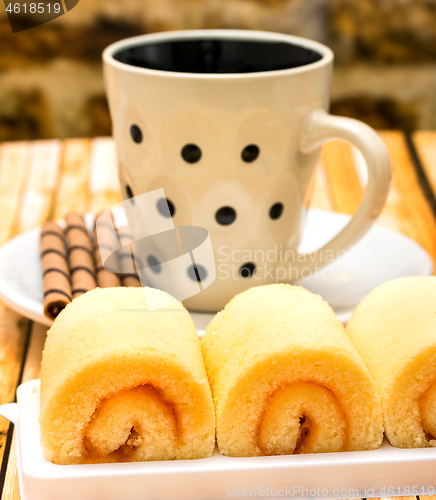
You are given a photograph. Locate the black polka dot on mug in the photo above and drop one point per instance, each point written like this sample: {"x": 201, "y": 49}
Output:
{"x": 129, "y": 194}
{"x": 191, "y": 153}
{"x": 225, "y": 216}
{"x": 250, "y": 153}
{"x": 166, "y": 207}
{"x": 197, "y": 272}
{"x": 247, "y": 270}
{"x": 136, "y": 134}
{"x": 276, "y": 211}
{"x": 154, "y": 264}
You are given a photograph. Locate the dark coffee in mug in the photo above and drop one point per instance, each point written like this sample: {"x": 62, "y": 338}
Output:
{"x": 214, "y": 55}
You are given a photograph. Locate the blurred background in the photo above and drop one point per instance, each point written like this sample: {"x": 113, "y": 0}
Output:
{"x": 51, "y": 82}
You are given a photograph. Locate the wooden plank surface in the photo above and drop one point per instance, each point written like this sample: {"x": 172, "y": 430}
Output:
{"x": 344, "y": 186}
{"x": 318, "y": 196}
{"x": 76, "y": 163}
{"x": 72, "y": 193}
{"x": 425, "y": 143}
{"x": 81, "y": 175}
{"x": 41, "y": 184}
{"x": 14, "y": 165}
{"x": 415, "y": 208}
{"x": 104, "y": 187}
{"x": 14, "y": 168}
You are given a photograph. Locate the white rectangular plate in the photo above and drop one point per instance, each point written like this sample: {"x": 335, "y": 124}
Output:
{"x": 384, "y": 472}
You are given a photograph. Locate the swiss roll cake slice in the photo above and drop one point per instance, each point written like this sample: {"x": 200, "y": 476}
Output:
{"x": 124, "y": 382}
{"x": 394, "y": 329}
{"x": 286, "y": 378}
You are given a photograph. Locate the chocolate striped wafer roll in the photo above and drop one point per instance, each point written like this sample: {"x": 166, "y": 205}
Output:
{"x": 108, "y": 244}
{"x": 126, "y": 259}
{"x": 55, "y": 270}
{"x": 81, "y": 256}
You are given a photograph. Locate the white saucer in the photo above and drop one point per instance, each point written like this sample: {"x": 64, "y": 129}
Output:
{"x": 381, "y": 255}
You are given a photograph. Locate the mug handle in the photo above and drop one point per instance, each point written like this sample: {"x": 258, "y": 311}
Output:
{"x": 321, "y": 127}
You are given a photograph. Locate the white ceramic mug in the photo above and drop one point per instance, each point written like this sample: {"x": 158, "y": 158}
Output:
{"x": 230, "y": 124}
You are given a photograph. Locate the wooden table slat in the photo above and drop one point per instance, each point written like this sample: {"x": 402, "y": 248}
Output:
{"x": 72, "y": 193}
{"x": 11, "y": 489}
{"x": 14, "y": 167}
{"x": 104, "y": 187}
{"x": 42, "y": 181}
{"x": 345, "y": 187}
{"x": 422, "y": 220}
{"x": 14, "y": 164}
{"x": 425, "y": 143}
{"x": 318, "y": 196}
{"x": 32, "y": 365}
